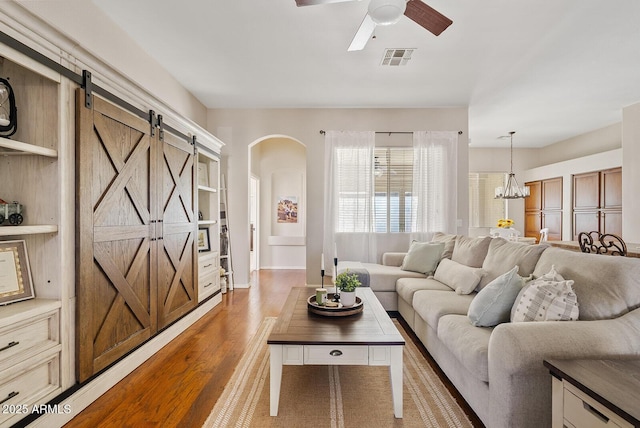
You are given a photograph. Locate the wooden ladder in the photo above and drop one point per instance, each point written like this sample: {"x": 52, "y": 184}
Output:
{"x": 225, "y": 236}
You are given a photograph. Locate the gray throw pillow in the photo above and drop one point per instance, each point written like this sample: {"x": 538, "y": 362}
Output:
{"x": 492, "y": 305}
{"x": 423, "y": 257}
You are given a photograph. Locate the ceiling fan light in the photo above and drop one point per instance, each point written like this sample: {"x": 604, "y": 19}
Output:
{"x": 386, "y": 12}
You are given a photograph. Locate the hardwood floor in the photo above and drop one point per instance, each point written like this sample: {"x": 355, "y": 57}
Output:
{"x": 180, "y": 384}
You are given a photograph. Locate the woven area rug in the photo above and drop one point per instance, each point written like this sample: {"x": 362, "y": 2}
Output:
{"x": 333, "y": 396}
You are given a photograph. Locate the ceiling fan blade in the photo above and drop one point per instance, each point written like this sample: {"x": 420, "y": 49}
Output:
{"x": 363, "y": 34}
{"x": 427, "y": 17}
{"x": 315, "y": 2}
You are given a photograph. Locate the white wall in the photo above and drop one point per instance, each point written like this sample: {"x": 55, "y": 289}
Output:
{"x": 239, "y": 128}
{"x": 631, "y": 173}
{"x": 590, "y": 143}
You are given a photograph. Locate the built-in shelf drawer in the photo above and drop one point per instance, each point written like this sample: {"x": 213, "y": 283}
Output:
{"x": 208, "y": 264}
{"x": 28, "y": 337}
{"x": 33, "y": 382}
{"x": 208, "y": 275}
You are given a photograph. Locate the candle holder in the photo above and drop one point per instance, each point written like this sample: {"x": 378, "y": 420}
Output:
{"x": 336, "y": 296}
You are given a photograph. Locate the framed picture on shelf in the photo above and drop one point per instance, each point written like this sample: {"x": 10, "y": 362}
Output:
{"x": 204, "y": 243}
{"x": 203, "y": 174}
{"x": 15, "y": 273}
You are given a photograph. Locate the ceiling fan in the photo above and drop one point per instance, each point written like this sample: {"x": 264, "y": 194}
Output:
{"x": 388, "y": 12}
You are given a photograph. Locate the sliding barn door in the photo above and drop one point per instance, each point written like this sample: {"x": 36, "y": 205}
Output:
{"x": 136, "y": 262}
{"x": 116, "y": 302}
{"x": 177, "y": 289}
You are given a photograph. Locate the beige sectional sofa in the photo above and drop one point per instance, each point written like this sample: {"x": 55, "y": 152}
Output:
{"x": 499, "y": 369}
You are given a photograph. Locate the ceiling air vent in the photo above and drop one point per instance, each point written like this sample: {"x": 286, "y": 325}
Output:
{"x": 395, "y": 57}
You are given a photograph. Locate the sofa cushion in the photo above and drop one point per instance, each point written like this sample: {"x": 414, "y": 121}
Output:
{"x": 406, "y": 287}
{"x": 469, "y": 344}
{"x": 433, "y": 304}
{"x": 503, "y": 255}
{"x": 463, "y": 279}
{"x": 423, "y": 257}
{"x": 471, "y": 251}
{"x": 492, "y": 305}
{"x": 606, "y": 286}
{"x": 449, "y": 243}
{"x": 383, "y": 278}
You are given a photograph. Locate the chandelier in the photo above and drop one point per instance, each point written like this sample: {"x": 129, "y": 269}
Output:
{"x": 512, "y": 189}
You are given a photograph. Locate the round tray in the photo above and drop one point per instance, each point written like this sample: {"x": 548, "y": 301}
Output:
{"x": 334, "y": 311}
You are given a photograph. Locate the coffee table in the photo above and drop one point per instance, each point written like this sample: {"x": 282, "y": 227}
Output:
{"x": 368, "y": 338}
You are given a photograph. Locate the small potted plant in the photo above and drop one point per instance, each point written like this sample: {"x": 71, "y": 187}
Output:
{"x": 347, "y": 282}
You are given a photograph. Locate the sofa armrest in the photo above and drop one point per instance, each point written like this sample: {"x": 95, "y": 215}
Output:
{"x": 393, "y": 259}
{"x": 520, "y": 385}
{"x": 518, "y": 347}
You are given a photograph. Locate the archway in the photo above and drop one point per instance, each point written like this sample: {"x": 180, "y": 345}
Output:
{"x": 277, "y": 203}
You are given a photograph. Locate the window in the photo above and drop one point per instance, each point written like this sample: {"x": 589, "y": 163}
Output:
{"x": 484, "y": 209}
{"x": 393, "y": 176}
{"x": 353, "y": 183}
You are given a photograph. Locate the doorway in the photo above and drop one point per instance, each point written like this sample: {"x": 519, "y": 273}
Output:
{"x": 254, "y": 217}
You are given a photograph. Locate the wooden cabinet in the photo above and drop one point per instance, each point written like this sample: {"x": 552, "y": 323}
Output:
{"x": 597, "y": 202}
{"x": 136, "y": 232}
{"x": 534, "y": 201}
{"x": 543, "y": 208}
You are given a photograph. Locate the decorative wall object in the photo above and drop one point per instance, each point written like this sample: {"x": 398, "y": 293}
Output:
{"x": 204, "y": 242}
{"x": 287, "y": 209}
{"x": 15, "y": 273}
{"x": 8, "y": 110}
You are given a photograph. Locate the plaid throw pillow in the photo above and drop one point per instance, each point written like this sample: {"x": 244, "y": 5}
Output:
{"x": 546, "y": 299}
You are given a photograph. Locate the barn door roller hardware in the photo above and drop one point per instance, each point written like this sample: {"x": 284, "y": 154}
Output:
{"x": 88, "y": 88}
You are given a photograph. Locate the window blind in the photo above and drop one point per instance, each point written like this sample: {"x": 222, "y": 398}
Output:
{"x": 393, "y": 177}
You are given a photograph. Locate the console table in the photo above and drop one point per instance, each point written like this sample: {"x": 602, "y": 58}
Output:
{"x": 595, "y": 393}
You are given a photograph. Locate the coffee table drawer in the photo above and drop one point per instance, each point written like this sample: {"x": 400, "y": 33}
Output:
{"x": 336, "y": 354}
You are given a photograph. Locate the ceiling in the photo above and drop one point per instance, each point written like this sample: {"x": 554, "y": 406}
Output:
{"x": 548, "y": 69}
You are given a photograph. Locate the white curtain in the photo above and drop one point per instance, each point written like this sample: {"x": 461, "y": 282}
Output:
{"x": 435, "y": 186}
{"x": 349, "y": 220}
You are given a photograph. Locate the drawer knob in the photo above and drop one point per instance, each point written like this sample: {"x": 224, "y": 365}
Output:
{"x": 335, "y": 353}
{"x": 9, "y": 345}
{"x": 209, "y": 284}
{"x": 10, "y": 396}
{"x": 210, "y": 264}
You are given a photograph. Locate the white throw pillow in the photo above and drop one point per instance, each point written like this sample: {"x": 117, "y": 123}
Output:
{"x": 493, "y": 303}
{"x": 548, "y": 298}
{"x": 423, "y": 257}
{"x": 463, "y": 279}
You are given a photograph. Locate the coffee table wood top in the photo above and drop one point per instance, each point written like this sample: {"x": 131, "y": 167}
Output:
{"x": 297, "y": 326}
